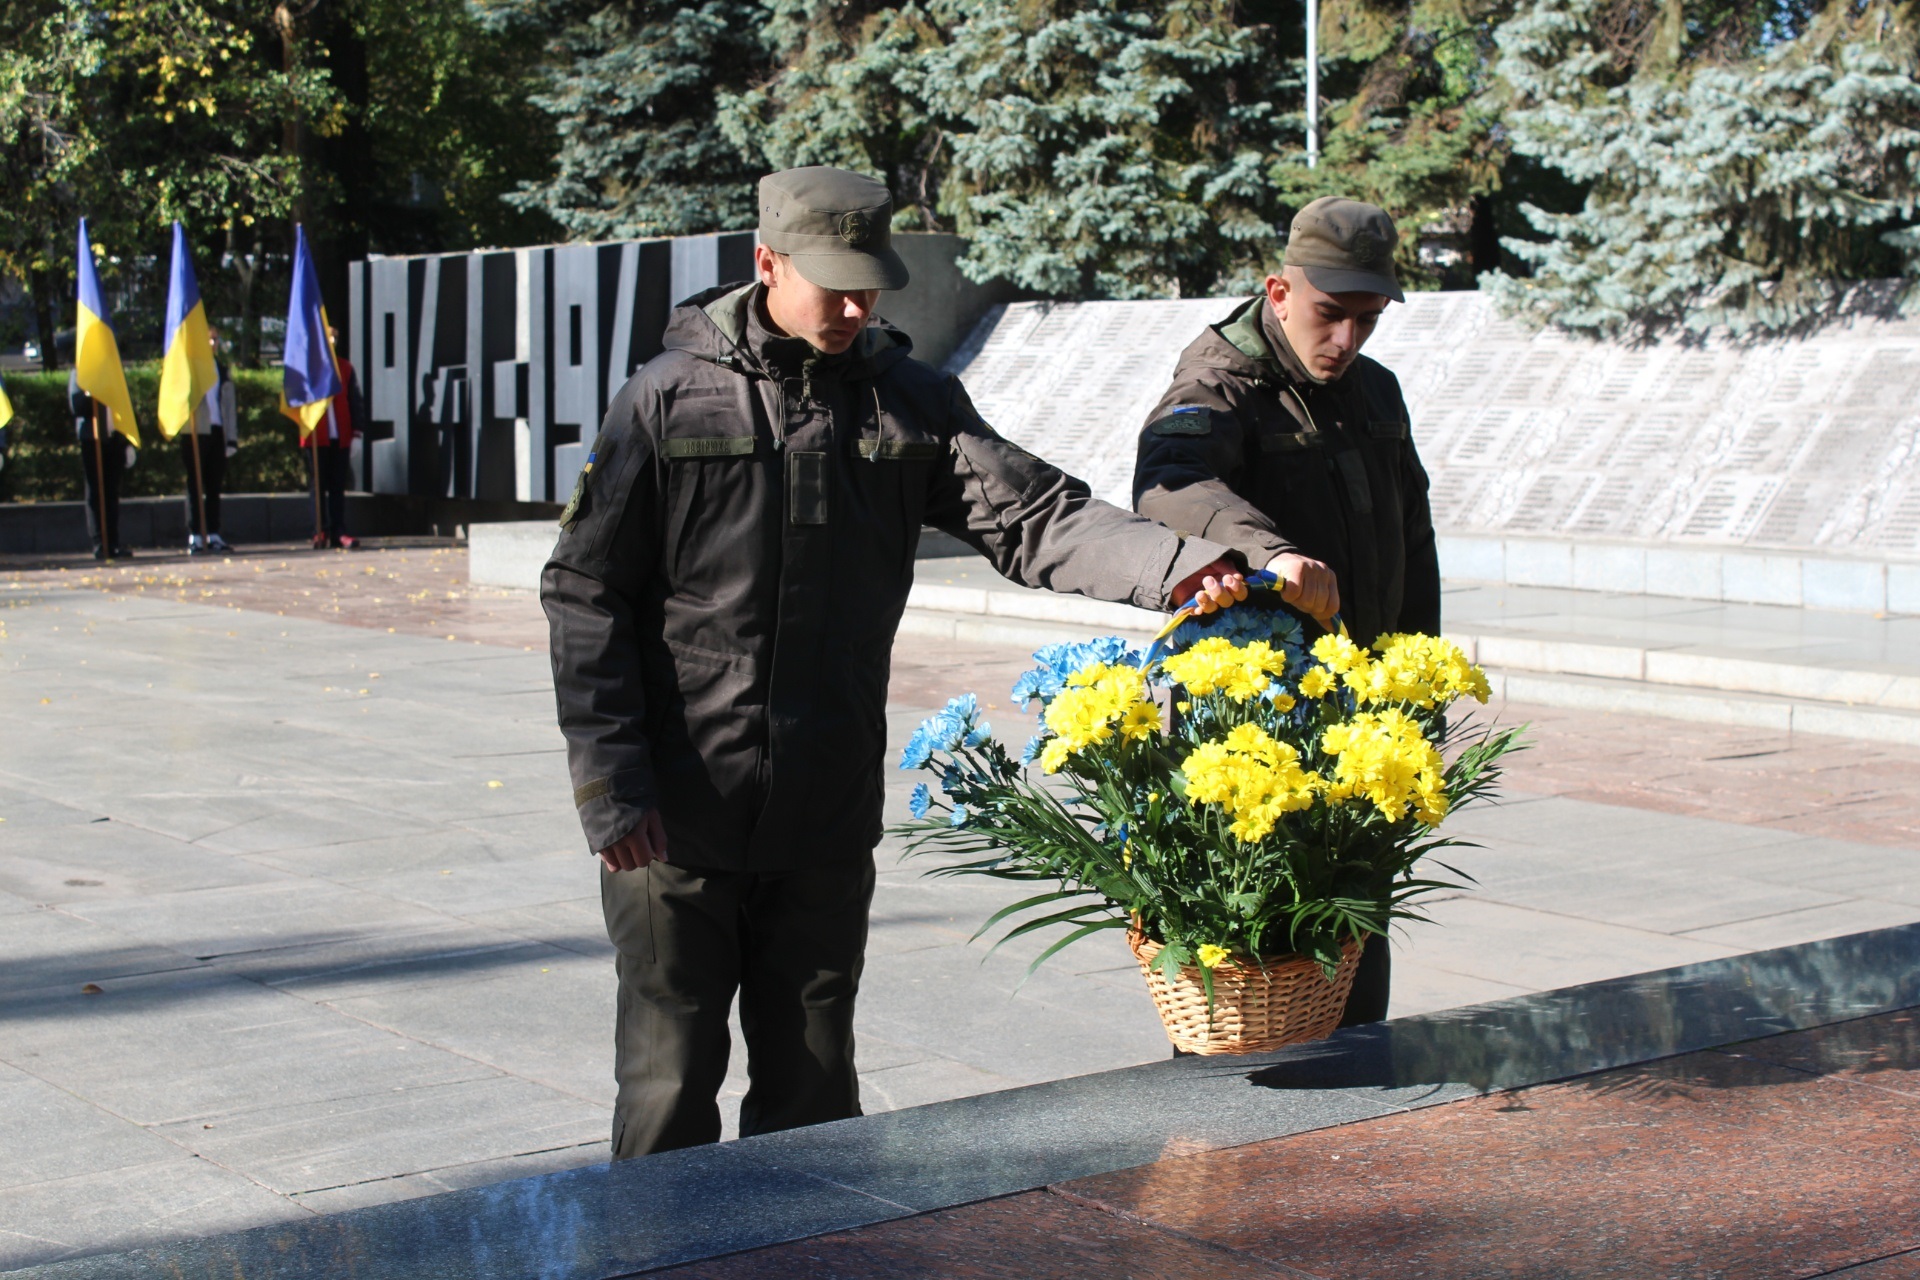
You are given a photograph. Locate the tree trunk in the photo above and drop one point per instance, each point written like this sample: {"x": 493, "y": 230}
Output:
{"x": 348, "y": 156}
{"x": 1483, "y": 239}
{"x": 246, "y": 267}
{"x": 41, "y": 285}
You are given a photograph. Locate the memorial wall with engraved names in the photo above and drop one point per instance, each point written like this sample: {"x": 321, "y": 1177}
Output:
{"x": 1802, "y": 444}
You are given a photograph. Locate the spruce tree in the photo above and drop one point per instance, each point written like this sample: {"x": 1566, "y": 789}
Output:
{"x": 632, "y": 89}
{"x": 1729, "y": 184}
{"x": 1111, "y": 148}
{"x": 838, "y": 98}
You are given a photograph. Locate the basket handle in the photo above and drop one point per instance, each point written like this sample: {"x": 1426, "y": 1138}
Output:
{"x": 1257, "y": 580}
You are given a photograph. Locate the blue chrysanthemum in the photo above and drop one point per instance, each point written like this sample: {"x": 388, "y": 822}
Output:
{"x": 919, "y": 748}
{"x": 917, "y": 803}
{"x": 1058, "y": 661}
{"x": 959, "y": 816}
{"x": 1032, "y": 752}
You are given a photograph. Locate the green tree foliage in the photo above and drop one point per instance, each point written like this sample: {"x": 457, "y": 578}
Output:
{"x": 838, "y": 94}
{"x": 43, "y": 462}
{"x": 1740, "y": 165}
{"x": 1113, "y": 148}
{"x": 448, "y": 134}
{"x": 134, "y": 116}
{"x": 632, "y": 86}
{"x": 1089, "y": 148}
{"x": 1412, "y": 123}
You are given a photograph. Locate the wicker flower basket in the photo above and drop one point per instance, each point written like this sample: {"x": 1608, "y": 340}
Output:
{"x": 1255, "y": 1007}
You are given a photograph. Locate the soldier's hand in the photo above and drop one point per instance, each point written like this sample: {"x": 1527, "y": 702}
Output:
{"x": 647, "y": 842}
{"x": 1307, "y": 585}
{"x": 1214, "y": 587}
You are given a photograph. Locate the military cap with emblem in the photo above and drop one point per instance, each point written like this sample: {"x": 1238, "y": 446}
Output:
{"x": 836, "y": 226}
{"x": 1345, "y": 246}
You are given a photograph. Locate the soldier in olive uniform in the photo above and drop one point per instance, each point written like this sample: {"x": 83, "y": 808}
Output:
{"x": 1278, "y": 438}
{"x": 723, "y": 601}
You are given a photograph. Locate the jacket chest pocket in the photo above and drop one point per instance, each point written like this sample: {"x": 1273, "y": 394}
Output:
{"x": 714, "y": 485}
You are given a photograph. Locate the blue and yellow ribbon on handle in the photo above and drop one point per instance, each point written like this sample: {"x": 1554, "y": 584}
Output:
{"x": 1257, "y": 580}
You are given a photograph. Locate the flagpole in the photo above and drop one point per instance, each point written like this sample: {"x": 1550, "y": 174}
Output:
{"x": 199, "y": 481}
{"x": 100, "y": 483}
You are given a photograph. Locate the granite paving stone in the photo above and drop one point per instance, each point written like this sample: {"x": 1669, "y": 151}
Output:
{"x": 126, "y": 1208}
{"x": 297, "y": 1147}
{"x": 1699, "y": 1167}
{"x": 1882, "y": 1051}
{"x": 209, "y": 1044}
{"x": 1902, "y": 1266}
{"x": 1035, "y": 1236}
{"x": 552, "y": 997}
{"x": 55, "y": 1135}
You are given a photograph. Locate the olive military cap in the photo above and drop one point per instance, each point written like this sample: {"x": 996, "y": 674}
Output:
{"x": 1345, "y": 246}
{"x": 836, "y": 226}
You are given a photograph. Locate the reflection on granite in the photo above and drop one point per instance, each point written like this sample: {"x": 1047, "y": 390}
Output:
{"x": 1707, "y": 1165}
{"x": 1035, "y": 1236}
{"x": 1883, "y": 1051}
{"x": 600, "y": 1222}
{"x": 607, "y": 1220}
{"x": 1557, "y": 1034}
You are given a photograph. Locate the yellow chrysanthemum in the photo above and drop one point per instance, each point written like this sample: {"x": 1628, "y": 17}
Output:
{"x": 1426, "y": 671}
{"x": 1217, "y": 665}
{"x": 1339, "y": 653}
{"x": 1385, "y": 758}
{"x": 1210, "y": 955}
{"x": 1317, "y": 683}
{"x": 1098, "y": 701}
{"x": 1251, "y": 776}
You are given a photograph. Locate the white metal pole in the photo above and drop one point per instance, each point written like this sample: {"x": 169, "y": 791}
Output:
{"x": 1313, "y": 83}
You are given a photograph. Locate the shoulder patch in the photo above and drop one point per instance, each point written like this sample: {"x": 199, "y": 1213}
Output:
{"x": 1184, "y": 420}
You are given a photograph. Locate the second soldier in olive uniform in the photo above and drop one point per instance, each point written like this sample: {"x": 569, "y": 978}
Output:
{"x": 1278, "y": 438}
{"x": 723, "y": 601}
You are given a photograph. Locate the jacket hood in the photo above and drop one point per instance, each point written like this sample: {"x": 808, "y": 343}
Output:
{"x": 712, "y": 326}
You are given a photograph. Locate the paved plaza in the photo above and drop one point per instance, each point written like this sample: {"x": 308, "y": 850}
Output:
{"x": 298, "y": 919}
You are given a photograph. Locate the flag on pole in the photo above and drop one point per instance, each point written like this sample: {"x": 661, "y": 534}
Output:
{"x": 309, "y": 377}
{"x": 6, "y": 407}
{"x": 96, "y": 355}
{"x": 187, "y": 371}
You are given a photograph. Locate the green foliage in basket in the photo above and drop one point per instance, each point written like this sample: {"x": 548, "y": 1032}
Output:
{"x": 1281, "y": 804}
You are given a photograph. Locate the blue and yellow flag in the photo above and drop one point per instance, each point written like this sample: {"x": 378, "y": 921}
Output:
{"x": 6, "y": 407}
{"x": 187, "y": 370}
{"x": 96, "y": 355}
{"x": 309, "y": 377}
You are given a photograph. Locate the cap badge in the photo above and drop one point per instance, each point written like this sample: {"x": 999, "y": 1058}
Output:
{"x": 856, "y": 228}
{"x": 1367, "y": 249}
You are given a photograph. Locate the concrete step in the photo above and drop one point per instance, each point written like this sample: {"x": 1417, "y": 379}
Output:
{"x": 1720, "y": 663}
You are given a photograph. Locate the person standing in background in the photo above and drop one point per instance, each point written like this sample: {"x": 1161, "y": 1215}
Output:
{"x": 329, "y": 450}
{"x": 216, "y": 435}
{"x": 1279, "y": 439}
{"x": 105, "y": 455}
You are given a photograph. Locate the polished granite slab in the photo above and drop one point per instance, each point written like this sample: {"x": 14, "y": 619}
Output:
{"x": 606, "y": 1221}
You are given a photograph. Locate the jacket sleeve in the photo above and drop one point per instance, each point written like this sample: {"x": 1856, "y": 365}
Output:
{"x": 1192, "y": 453}
{"x": 591, "y": 590}
{"x": 1043, "y": 528}
{"x": 1420, "y": 604}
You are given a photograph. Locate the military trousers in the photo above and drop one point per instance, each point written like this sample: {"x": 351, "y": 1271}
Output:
{"x": 791, "y": 944}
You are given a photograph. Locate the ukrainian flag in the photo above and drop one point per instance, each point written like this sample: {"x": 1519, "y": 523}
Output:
{"x": 309, "y": 377}
{"x": 187, "y": 371}
{"x": 96, "y": 356}
{"x": 6, "y": 406}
